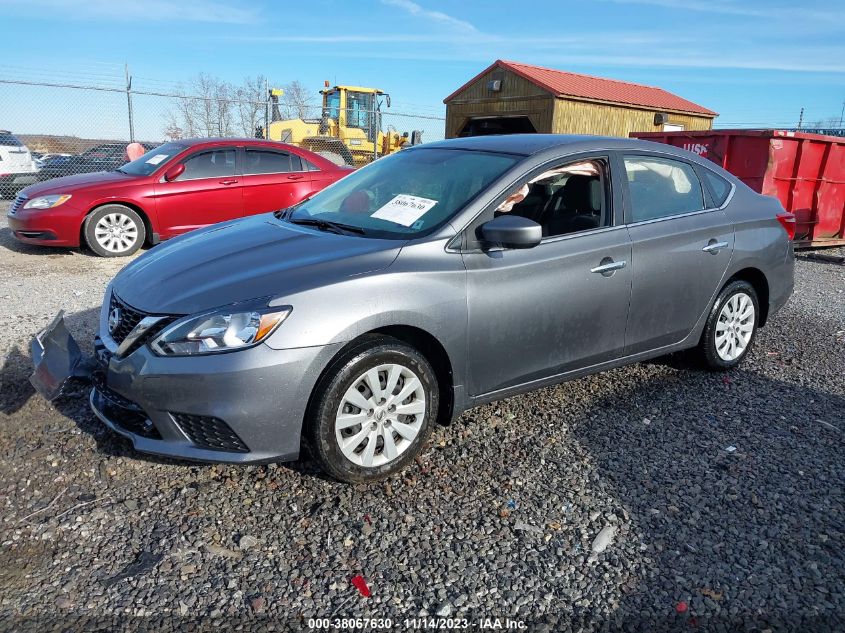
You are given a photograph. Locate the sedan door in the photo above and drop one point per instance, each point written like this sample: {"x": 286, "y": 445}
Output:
{"x": 562, "y": 305}
{"x": 207, "y": 192}
{"x": 273, "y": 179}
{"x": 681, "y": 250}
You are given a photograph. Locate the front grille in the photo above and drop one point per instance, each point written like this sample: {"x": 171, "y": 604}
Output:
{"x": 17, "y": 205}
{"x": 210, "y": 433}
{"x": 129, "y": 318}
{"x": 123, "y": 412}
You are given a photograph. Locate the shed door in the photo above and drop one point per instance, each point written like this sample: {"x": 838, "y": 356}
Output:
{"x": 482, "y": 126}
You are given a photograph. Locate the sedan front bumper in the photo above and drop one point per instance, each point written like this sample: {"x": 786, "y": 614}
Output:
{"x": 243, "y": 406}
{"x": 48, "y": 227}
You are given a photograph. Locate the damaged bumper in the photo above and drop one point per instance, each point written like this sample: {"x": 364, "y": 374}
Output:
{"x": 242, "y": 407}
{"x": 58, "y": 360}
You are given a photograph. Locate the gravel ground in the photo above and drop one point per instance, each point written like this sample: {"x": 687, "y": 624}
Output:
{"x": 721, "y": 495}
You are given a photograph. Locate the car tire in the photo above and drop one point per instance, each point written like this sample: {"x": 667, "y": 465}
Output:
{"x": 731, "y": 327}
{"x": 355, "y": 444}
{"x": 114, "y": 230}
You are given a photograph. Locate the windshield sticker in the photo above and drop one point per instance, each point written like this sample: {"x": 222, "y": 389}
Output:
{"x": 155, "y": 160}
{"x": 404, "y": 209}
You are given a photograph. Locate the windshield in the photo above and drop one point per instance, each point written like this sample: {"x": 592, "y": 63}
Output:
{"x": 406, "y": 194}
{"x": 152, "y": 160}
{"x": 359, "y": 109}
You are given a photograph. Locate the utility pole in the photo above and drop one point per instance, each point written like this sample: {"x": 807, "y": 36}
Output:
{"x": 129, "y": 103}
{"x": 267, "y": 109}
{"x": 842, "y": 113}
{"x": 800, "y": 118}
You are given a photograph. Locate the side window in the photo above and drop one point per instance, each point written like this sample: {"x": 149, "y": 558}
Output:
{"x": 719, "y": 187}
{"x": 296, "y": 163}
{"x": 661, "y": 187}
{"x": 214, "y": 164}
{"x": 264, "y": 162}
{"x": 565, "y": 199}
{"x": 307, "y": 165}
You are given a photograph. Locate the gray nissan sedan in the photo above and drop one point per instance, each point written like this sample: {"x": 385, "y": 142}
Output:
{"x": 442, "y": 277}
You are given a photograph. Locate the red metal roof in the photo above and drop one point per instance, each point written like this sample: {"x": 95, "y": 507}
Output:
{"x": 564, "y": 84}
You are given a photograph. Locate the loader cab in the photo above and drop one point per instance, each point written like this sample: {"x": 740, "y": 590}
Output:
{"x": 355, "y": 110}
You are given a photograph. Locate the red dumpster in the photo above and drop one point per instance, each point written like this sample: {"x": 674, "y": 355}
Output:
{"x": 806, "y": 172}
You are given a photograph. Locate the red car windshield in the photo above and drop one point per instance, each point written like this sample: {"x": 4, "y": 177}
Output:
{"x": 153, "y": 159}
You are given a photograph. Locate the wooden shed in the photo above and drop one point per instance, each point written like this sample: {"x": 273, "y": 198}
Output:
{"x": 510, "y": 97}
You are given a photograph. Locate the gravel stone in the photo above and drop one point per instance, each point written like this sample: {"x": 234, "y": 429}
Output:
{"x": 603, "y": 539}
{"x": 247, "y": 542}
{"x": 750, "y": 540}
{"x": 217, "y": 550}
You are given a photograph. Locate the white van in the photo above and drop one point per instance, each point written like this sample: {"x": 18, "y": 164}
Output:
{"x": 17, "y": 168}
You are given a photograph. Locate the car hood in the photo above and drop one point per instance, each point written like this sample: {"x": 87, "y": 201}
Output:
{"x": 245, "y": 259}
{"x": 67, "y": 184}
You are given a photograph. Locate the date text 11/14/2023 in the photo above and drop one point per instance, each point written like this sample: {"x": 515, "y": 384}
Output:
{"x": 418, "y": 623}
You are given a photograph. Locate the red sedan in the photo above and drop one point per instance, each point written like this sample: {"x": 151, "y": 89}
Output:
{"x": 178, "y": 187}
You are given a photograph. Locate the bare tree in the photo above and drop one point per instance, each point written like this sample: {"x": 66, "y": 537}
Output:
{"x": 172, "y": 129}
{"x": 824, "y": 124}
{"x": 297, "y": 102}
{"x": 209, "y": 106}
{"x": 203, "y": 108}
{"x": 251, "y": 102}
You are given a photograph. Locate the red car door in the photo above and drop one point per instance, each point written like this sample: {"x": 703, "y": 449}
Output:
{"x": 207, "y": 192}
{"x": 273, "y": 179}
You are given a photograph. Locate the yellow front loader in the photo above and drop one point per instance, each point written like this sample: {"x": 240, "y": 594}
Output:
{"x": 350, "y": 129}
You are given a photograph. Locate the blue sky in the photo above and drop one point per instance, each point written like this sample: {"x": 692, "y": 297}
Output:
{"x": 757, "y": 63}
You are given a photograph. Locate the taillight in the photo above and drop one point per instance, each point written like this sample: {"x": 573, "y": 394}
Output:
{"x": 787, "y": 221}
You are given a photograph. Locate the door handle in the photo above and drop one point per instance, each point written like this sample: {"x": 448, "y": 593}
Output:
{"x": 229, "y": 182}
{"x": 296, "y": 177}
{"x": 607, "y": 267}
{"x": 713, "y": 247}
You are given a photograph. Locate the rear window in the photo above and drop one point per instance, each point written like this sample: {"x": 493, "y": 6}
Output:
{"x": 661, "y": 187}
{"x": 7, "y": 138}
{"x": 719, "y": 187}
{"x": 269, "y": 162}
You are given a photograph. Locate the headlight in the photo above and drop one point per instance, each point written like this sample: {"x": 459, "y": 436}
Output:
{"x": 46, "y": 202}
{"x": 219, "y": 331}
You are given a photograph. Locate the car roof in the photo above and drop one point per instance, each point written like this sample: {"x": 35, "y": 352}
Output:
{"x": 323, "y": 163}
{"x": 529, "y": 144}
{"x": 227, "y": 140}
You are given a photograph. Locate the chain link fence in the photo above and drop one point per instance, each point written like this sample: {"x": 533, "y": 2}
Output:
{"x": 73, "y": 128}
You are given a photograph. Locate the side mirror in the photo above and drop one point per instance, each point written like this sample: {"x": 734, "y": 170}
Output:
{"x": 174, "y": 172}
{"x": 512, "y": 231}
